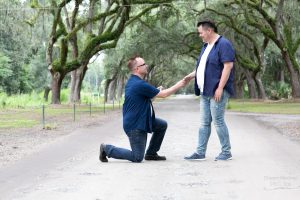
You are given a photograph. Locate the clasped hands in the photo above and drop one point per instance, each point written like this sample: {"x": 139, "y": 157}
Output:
{"x": 182, "y": 83}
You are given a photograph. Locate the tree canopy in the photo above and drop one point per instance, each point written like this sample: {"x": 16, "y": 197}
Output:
{"x": 46, "y": 42}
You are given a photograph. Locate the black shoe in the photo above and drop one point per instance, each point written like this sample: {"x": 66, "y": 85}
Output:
{"x": 155, "y": 157}
{"x": 102, "y": 156}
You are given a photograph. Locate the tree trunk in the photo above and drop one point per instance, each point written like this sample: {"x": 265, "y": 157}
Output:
{"x": 239, "y": 88}
{"x": 238, "y": 83}
{"x": 294, "y": 75}
{"x": 107, "y": 83}
{"x": 260, "y": 87}
{"x": 112, "y": 90}
{"x": 251, "y": 85}
{"x": 281, "y": 75}
{"x": 46, "y": 93}
{"x": 77, "y": 77}
{"x": 57, "y": 79}
{"x": 120, "y": 88}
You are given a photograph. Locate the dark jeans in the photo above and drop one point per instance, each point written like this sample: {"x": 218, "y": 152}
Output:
{"x": 138, "y": 141}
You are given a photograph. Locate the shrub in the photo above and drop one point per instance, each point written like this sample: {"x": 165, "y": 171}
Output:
{"x": 3, "y": 98}
{"x": 64, "y": 95}
{"x": 279, "y": 90}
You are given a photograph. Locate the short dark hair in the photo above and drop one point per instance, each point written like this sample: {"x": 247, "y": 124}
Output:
{"x": 208, "y": 24}
{"x": 132, "y": 62}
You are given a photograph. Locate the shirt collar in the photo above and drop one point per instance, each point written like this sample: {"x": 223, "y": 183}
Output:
{"x": 136, "y": 76}
{"x": 205, "y": 44}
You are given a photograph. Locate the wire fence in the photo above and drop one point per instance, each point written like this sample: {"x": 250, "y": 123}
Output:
{"x": 50, "y": 116}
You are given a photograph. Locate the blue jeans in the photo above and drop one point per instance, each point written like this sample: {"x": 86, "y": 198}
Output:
{"x": 138, "y": 141}
{"x": 210, "y": 110}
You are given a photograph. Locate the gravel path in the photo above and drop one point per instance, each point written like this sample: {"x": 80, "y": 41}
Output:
{"x": 16, "y": 144}
{"x": 265, "y": 165}
{"x": 288, "y": 125}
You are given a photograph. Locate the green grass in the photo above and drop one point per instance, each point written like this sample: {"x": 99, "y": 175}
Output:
{"x": 64, "y": 110}
{"x": 18, "y": 123}
{"x": 29, "y": 117}
{"x": 36, "y": 99}
{"x": 25, "y": 110}
{"x": 264, "y": 107}
{"x": 26, "y": 117}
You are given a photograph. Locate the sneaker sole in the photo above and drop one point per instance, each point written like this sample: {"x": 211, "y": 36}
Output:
{"x": 202, "y": 159}
{"x": 223, "y": 160}
{"x": 154, "y": 160}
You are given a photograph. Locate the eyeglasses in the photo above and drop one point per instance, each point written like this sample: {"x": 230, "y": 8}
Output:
{"x": 142, "y": 65}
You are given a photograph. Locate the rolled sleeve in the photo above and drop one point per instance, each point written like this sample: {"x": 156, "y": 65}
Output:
{"x": 227, "y": 53}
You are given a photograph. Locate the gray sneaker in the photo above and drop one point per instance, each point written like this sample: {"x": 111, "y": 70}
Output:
{"x": 195, "y": 156}
{"x": 222, "y": 156}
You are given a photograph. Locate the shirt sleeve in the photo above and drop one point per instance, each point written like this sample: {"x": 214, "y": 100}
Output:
{"x": 147, "y": 90}
{"x": 226, "y": 52}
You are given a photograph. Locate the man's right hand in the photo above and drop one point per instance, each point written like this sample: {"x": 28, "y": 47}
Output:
{"x": 189, "y": 76}
{"x": 183, "y": 82}
{"x": 167, "y": 92}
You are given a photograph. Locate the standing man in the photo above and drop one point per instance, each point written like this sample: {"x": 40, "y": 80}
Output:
{"x": 214, "y": 84}
{"x": 139, "y": 117}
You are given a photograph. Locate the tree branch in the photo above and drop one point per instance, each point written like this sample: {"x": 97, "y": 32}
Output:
{"x": 85, "y": 22}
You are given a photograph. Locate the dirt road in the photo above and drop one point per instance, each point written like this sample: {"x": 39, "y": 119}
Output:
{"x": 265, "y": 164}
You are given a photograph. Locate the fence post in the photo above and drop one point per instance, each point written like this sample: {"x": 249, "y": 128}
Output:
{"x": 104, "y": 106}
{"x": 90, "y": 109}
{"x": 43, "y": 113}
{"x": 74, "y": 112}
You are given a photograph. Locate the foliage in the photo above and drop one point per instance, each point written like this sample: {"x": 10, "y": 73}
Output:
{"x": 158, "y": 45}
{"x": 35, "y": 99}
{"x": 279, "y": 90}
{"x": 80, "y": 30}
{"x": 39, "y": 75}
{"x": 5, "y": 70}
{"x": 93, "y": 78}
{"x": 21, "y": 46}
{"x": 164, "y": 36}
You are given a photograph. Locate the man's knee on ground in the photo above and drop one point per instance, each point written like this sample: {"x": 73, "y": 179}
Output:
{"x": 138, "y": 159}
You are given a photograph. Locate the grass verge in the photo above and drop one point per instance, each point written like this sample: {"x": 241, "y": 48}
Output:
{"x": 53, "y": 114}
{"x": 271, "y": 107}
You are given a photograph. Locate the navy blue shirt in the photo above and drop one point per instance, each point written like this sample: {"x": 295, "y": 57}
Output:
{"x": 137, "y": 105}
{"x": 221, "y": 52}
